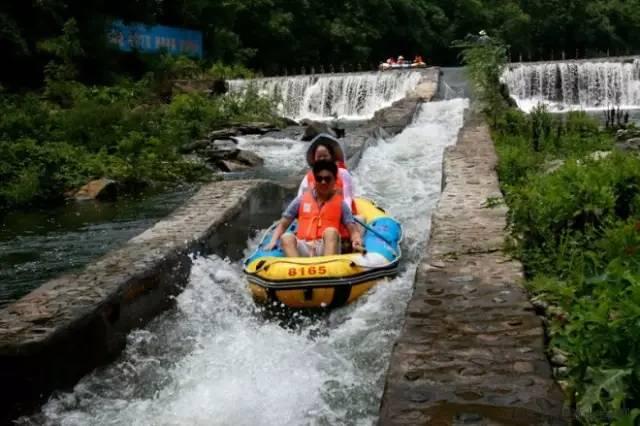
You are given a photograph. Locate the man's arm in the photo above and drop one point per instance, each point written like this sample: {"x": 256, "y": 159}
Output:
{"x": 352, "y": 227}
{"x": 277, "y": 233}
{"x": 356, "y": 238}
{"x": 287, "y": 217}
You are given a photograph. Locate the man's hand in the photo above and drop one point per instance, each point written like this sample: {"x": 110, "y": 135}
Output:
{"x": 271, "y": 245}
{"x": 356, "y": 242}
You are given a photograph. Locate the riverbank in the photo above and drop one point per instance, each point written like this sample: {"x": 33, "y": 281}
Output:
{"x": 573, "y": 192}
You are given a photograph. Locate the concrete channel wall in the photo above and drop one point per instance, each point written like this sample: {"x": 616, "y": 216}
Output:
{"x": 472, "y": 348}
{"x": 61, "y": 331}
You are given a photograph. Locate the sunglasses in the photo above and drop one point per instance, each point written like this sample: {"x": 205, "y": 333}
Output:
{"x": 321, "y": 179}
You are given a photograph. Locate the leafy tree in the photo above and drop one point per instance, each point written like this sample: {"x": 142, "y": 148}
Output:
{"x": 485, "y": 58}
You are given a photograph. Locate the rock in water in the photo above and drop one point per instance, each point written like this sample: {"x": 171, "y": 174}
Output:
{"x": 231, "y": 166}
{"x": 249, "y": 158}
{"x": 632, "y": 144}
{"x": 223, "y": 133}
{"x": 100, "y": 189}
{"x": 220, "y": 150}
{"x": 314, "y": 128}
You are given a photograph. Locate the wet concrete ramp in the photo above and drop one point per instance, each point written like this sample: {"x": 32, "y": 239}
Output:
{"x": 472, "y": 349}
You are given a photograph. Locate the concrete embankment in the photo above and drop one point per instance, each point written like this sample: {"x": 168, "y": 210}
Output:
{"x": 56, "y": 334}
{"x": 472, "y": 348}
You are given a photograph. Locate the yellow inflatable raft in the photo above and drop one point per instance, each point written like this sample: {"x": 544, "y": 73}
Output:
{"x": 326, "y": 281}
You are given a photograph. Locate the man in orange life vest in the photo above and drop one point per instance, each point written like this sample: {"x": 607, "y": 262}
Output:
{"x": 320, "y": 211}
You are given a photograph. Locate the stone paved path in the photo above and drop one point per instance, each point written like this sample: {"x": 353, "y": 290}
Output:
{"x": 472, "y": 349}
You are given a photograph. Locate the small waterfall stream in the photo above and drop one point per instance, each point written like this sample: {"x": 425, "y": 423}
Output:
{"x": 354, "y": 95}
{"x": 566, "y": 86}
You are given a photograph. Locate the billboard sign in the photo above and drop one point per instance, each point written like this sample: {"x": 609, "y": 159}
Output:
{"x": 144, "y": 38}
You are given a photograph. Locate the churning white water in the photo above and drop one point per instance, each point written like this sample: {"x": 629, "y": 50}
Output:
{"x": 281, "y": 155}
{"x": 564, "y": 86}
{"x": 215, "y": 360}
{"x": 353, "y": 96}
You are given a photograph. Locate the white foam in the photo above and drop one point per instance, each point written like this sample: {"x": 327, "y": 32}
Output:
{"x": 325, "y": 96}
{"x": 569, "y": 86}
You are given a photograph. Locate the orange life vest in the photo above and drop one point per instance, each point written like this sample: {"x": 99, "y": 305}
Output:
{"x": 339, "y": 186}
{"x": 313, "y": 220}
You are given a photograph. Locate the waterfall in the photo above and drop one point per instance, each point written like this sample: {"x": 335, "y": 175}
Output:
{"x": 575, "y": 85}
{"x": 355, "y": 96}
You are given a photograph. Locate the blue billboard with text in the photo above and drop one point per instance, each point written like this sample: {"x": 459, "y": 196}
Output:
{"x": 143, "y": 38}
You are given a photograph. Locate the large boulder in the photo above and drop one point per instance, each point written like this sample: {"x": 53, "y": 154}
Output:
{"x": 223, "y": 133}
{"x": 254, "y": 128}
{"x": 251, "y": 128}
{"x": 632, "y": 144}
{"x": 290, "y": 132}
{"x": 314, "y": 128}
{"x": 289, "y": 121}
{"x": 249, "y": 158}
{"x": 198, "y": 145}
{"x": 232, "y": 166}
{"x": 99, "y": 189}
{"x": 220, "y": 150}
{"x": 626, "y": 134}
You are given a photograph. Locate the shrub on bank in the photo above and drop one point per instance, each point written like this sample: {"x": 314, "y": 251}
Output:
{"x": 578, "y": 234}
{"x": 123, "y": 132}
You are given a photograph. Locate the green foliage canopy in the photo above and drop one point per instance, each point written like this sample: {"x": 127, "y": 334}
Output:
{"x": 270, "y": 35}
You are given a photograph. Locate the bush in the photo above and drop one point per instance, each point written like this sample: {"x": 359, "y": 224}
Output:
{"x": 226, "y": 72}
{"x": 578, "y": 234}
{"x": 123, "y": 132}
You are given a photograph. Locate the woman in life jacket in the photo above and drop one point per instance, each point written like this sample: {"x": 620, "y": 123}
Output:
{"x": 326, "y": 147}
{"x": 320, "y": 212}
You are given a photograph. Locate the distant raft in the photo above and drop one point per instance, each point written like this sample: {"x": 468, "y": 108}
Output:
{"x": 390, "y": 67}
{"x": 326, "y": 281}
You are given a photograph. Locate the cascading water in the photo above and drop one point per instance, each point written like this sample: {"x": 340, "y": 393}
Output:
{"x": 215, "y": 360}
{"x": 354, "y": 96}
{"x": 575, "y": 85}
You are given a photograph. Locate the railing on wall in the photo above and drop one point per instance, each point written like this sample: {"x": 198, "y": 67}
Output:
{"x": 551, "y": 55}
{"x": 320, "y": 69}
{"x": 539, "y": 55}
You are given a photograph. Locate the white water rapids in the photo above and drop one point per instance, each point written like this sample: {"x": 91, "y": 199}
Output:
{"x": 565, "y": 86}
{"x": 351, "y": 96}
{"x": 215, "y": 360}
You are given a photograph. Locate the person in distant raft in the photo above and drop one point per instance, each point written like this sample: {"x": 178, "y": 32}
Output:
{"x": 320, "y": 212}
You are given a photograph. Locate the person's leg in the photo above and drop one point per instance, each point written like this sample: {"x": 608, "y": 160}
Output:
{"x": 289, "y": 245}
{"x": 331, "y": 241}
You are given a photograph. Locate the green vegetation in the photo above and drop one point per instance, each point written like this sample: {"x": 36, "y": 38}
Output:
{"x": 270, "y": 35}
{"x": 121, "y": 132}
{"x": 54, "y": 141}
{"x": 575, "y": 222}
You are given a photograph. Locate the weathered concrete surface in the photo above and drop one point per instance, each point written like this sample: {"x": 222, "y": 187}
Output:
{"x": 389, "y": 121}
{"x": 472, "y": 348}
{"x": 56, "y": 334}
{"x": 399, "y": 115}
